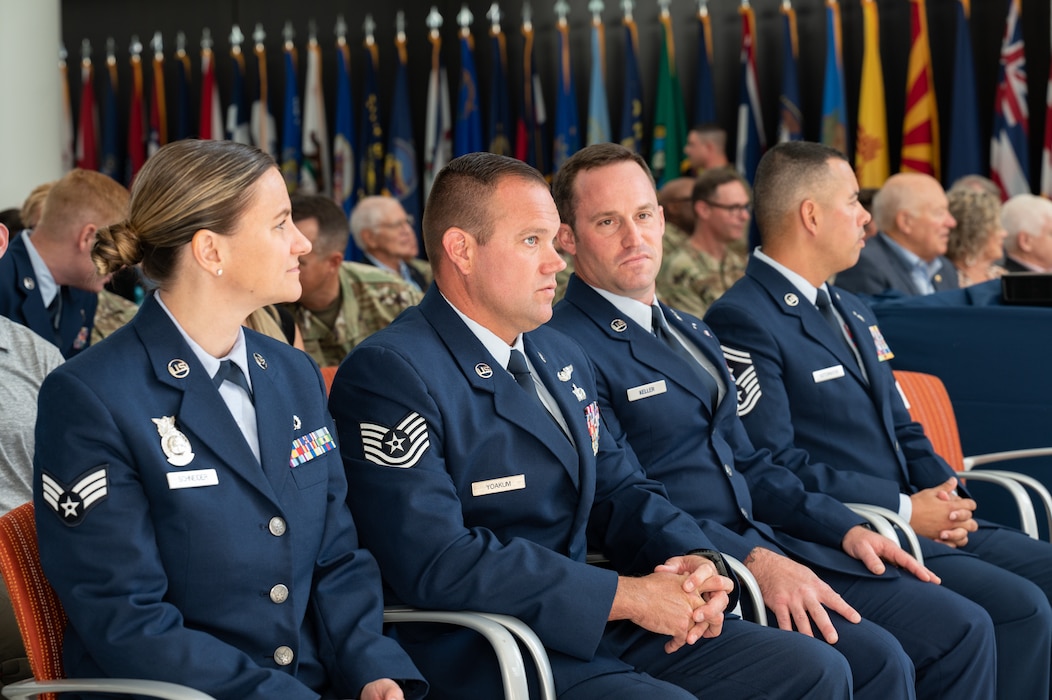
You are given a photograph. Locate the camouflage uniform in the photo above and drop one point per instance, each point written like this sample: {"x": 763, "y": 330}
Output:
{"x": 112, "y": 312}
{"x": 673, "y": 241}
{"x": 370, "y": 299}
{"x": 691, "y": 280}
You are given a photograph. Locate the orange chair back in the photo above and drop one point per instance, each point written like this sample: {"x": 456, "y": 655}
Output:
{"x": 38, "y": 611}
{"x": 930, "y": 406}
{"x": 328, "y": 373}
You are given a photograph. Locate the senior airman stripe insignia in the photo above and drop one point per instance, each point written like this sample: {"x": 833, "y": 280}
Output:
{"x": 740, "y": 364}
{"x": 71, "y": 503}
{"x": 401, "y": 446}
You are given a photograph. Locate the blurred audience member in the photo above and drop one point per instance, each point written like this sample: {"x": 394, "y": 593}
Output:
{"x": 1028, "y": 222}
{"x": 342, "y": 303}
{"x": 707, "y": 265}
{"x": 865, "y": 198}
{"x": 908, "y": 255}
{"x": 49, "y": 282}
{"x": 706, "y": 147}
{"x": 386, "y": 236}
{"x": 976, "y": 242}
{"x": 977, "y": 183}
{"x": 675, "y": 199}
{"x": 33, "y": 206}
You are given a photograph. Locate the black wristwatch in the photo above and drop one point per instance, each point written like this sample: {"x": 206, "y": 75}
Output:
{"x": 717, "y": 560}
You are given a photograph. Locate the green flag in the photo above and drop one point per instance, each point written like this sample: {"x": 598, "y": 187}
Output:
{"x": 670, "y": 123}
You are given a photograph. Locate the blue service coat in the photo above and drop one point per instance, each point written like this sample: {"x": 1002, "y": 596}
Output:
{"x": 881, "y": 269}
{"x": 21, "y": 302}
{"x": 473, "y": 498}
{"x": 170, "y": 582}
{"x": 704, "y": 459}
{"x": 845, "y": 435}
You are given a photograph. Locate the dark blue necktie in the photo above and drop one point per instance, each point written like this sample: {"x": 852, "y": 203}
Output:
{"x": 662, "y": 333}
{"x": 825, "y": 307}
{"x": 521, "y": 371}
{"x": 230, "y": 372}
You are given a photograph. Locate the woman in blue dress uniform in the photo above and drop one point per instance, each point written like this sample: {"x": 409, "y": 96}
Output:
{"x": 190, "y": 501}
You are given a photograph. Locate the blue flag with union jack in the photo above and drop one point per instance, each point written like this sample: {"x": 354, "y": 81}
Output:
{"x": 1009, "y": 160}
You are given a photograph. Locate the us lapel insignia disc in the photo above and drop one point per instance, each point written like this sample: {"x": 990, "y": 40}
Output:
{"x": 29, "y": 283}
{"x": 179, "y": 369}
{"x": 483, "y": 370}
{"x": 260, "y": 360}
{"x": 791, "y": 299}
{"x": 296, "y": 422}
{"x": 175, "y": 445}
{"x": 618, "y": 325}
{"x": 565, "y": 373}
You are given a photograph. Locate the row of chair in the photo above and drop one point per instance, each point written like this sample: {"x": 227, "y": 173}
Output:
{"x": 42, "y": 620}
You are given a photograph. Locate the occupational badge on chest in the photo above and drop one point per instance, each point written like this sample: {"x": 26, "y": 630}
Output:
{"x": 174, "y": 444}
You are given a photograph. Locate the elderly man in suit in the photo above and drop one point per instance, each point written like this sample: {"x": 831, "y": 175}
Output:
{"x": 664, "y": 386}
{"x": 815, "y": 388}
{"x": 481, "y": 487}
{"x": 1028, "y": 222}
{"x": 908, "y": 255}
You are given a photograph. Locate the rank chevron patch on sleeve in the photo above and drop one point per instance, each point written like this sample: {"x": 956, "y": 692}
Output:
{"x": 401, "y": 446}
{"x": 740, "y": 364}
{"x": 71, "y": 503}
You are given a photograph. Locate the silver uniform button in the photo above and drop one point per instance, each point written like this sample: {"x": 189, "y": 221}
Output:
{"x": 279, "y": 593}
{"x": 728, "y": 470}
{"x": 283, "y": 656}
{"x": 276, "y": 526}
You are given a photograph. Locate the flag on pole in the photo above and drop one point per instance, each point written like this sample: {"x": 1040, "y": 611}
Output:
{"x": 965, "y": 153}
{"x": 871, "y": 141}
{"x": 566, "y": 141}
{"x": 158, "y": 135}
{"x": 598, "y": 107}
{"x": 920, "y": 128}
{"x": 400, "y": 169}
{"x": 211, "y": 124}
{"x": 499, "y": 132}
{"x": 750, "y": 137}
{"x": 237, "y": 112}
{"x": 136, "y": 116}
{"x": 314, "y": 173}
{"x": 343, "y": 162}
{"x": 66, "y": 124}
{"x": 438, "y": 141}
{"x": 670, "y": 128}
{"x": 467, "y": 137}
{"x": 183, "y": 110}
{"x": 1009, "y": 160}
{"x": 262, "y": 127}
{"x": 632, "y": 103}
{"x": 531, "y": 144}
{"x": 1046, "y": 150}
{"x": 87, "y": 134}
{"x": 292, "y": 127}
{"x": 108, "y": 162}
{"x": 705, "y": 94}
{"x": 790, "y": 118}
{"x": 371, "y": 165}
{"x": 834, "y": 109}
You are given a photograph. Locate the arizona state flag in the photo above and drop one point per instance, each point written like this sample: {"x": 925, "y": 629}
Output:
{"x": 790, "y": 118}
{"x": 670, "y": 128}
{"x": 1009, "y": 159}
{"x": 920, "y": 128}
{"x": 566, "y": 139}
{"x": 871, "y": 140}
{"x": 632, "y": 100}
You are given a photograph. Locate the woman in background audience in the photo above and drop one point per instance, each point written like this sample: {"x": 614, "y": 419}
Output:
{"x": 183, "y": 540}
{"x": 976, "y": 243}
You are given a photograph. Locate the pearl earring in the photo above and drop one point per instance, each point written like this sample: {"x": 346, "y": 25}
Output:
{"x": 219, "y": 272}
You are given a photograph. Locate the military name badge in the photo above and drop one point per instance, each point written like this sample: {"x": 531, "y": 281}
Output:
{"x": 174, "y": 444}
{"x": 401, "y": 446}
{"x": 591, "y": 414}
{"x": 313, "y": 444}
{"x": 71, "y": 503}
{"x": 884, "y": 352}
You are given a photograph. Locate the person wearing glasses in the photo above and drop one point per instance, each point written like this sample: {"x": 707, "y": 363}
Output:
{"x": 711, "y": 260}
{"x": 342, "y": 302}
{"x": 385, "y": 234}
